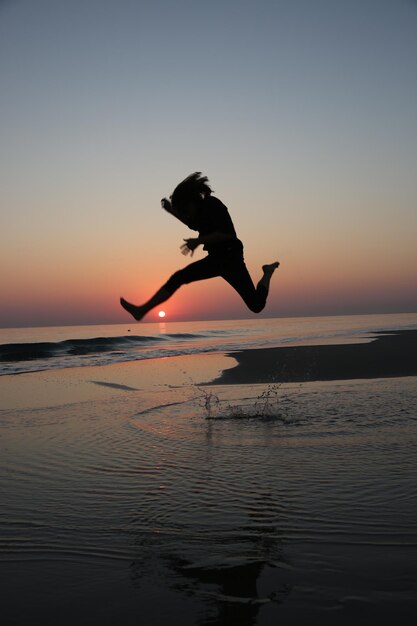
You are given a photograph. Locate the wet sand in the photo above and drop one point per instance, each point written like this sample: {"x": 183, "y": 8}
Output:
{"x": 389, "y": 355}
{"x": 123, "y": 503}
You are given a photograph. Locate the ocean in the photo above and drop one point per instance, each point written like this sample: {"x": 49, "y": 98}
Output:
{"x": 37, "y": 349}
{"x": 134, "y": 492}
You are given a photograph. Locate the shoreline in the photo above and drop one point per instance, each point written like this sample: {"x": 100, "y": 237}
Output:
{"x": 391, "y": 354}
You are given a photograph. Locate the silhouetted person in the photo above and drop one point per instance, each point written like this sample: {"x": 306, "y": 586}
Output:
{"x": 193, "y": 204}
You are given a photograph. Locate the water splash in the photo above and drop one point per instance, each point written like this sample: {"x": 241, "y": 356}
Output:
{"x": 270, "y": 404}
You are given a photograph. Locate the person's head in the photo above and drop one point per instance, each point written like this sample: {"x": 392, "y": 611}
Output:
{"x": 190, "y": 192}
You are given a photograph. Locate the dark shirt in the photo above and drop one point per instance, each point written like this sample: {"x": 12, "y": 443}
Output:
{"x": 213, "y": 217}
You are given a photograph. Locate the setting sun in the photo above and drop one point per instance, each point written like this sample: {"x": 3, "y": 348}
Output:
{"x": 161, "y": 313}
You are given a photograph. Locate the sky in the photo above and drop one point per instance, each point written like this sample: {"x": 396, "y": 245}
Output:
{"x": 303, "y": 114}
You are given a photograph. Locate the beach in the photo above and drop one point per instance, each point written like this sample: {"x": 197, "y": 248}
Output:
{"x": 253, "y": 487}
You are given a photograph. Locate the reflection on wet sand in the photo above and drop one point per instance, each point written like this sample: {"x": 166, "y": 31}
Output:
{"x": 215, "y": 535}
{"x": 232, "y": 587}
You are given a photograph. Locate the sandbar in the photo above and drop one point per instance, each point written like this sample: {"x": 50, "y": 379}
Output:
{"x": 390, "y": 354}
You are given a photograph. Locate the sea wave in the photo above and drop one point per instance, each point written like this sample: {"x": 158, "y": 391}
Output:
{"x": 16, "y": 358}
{"x": 71, "y": 347}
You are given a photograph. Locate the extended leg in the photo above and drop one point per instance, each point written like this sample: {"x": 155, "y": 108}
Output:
{"x": 140, "y": 311}
{"x": 200, "y": 270}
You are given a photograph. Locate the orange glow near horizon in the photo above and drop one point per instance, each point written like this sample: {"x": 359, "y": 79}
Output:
{"x": 300, "y": 287}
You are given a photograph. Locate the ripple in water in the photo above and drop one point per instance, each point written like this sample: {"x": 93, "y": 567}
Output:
{"x": 247, "y": 478}
{"x": 234, "y": 498}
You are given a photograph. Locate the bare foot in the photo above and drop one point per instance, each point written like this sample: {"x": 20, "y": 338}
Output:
{"x": 137, "y": 311}
{"x": 270, "y": 269}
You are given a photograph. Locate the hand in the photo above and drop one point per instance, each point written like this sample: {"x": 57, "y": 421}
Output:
{"x": 190, "y": 245}
{"x": 165, "y": 203}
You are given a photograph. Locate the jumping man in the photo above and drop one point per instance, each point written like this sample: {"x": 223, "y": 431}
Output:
{"x": 193, "y": 204}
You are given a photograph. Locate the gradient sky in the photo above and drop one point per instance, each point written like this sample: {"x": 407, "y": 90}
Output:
{"x": 302, "y": 113}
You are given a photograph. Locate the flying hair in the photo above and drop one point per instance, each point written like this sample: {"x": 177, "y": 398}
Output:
{"x": 192, "y": 189}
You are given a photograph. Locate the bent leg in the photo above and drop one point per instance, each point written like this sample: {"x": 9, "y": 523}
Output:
{"x": 237, "y": 275}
